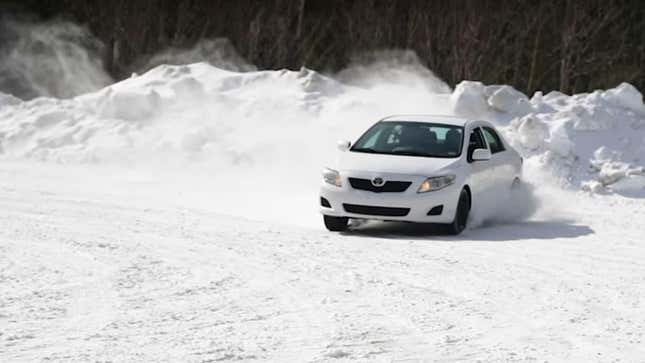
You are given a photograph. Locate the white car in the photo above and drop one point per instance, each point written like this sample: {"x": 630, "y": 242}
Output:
{"x": 427, "y": 169}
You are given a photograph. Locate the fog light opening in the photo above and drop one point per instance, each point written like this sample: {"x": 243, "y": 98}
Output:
{"x": 324, "y": 202}
{"x": 436, "y": 210}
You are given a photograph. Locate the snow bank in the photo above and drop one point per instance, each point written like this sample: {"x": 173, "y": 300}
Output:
{"x": 218, "y": 52}
{"x": 595, "y": 141}
{"x": 287, "y": 121}
{"x": 230, "y": 118}
{"x": 8, "y": 100}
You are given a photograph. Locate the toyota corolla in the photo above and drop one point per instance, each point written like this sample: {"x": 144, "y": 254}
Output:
{"x": 426, "y": 169}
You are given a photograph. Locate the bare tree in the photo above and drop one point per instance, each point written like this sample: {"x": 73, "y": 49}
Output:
{"x": 569, "y": 45}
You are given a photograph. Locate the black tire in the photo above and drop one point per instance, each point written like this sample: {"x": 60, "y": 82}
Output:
{"x": 336, "y": 224}
{"x": 461, "y": 215}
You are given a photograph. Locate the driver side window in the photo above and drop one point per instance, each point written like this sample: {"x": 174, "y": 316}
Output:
{"x": 476, "y": 141}
{"x": 493, "y": 140}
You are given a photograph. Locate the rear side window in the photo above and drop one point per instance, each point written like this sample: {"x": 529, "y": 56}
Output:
{"x": 493, "y": 140}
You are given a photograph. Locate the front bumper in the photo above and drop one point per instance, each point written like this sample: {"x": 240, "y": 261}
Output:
{"x": 343, "y": 201}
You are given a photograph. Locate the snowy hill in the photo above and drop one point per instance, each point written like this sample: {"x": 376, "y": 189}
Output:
{"x": 595, "y": 140}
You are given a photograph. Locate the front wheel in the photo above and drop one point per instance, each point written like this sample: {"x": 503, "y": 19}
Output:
{"x": 461, "y": 216}
{"x": 336, "y": 224}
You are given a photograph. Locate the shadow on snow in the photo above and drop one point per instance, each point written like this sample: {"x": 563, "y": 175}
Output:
{"x": 487, "y": 232}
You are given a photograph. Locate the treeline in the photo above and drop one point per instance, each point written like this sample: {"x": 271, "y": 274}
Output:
{"x": 566, "y": 45}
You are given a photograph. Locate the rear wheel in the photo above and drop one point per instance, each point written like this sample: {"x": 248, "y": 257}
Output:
{"x": 336, "y": 224}
{"x": 461, "y": 216}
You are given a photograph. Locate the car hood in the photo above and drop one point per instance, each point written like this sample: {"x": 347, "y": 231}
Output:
{"x": 394, "y": 164}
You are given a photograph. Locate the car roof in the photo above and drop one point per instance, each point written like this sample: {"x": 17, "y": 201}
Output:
{"x": 441, "y": 119}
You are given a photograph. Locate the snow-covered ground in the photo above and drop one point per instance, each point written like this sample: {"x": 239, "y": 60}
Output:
{"x": 100, "y": 268}
{"x": 173, "y": 217}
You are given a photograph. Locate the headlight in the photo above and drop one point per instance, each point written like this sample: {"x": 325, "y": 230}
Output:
{"x": 436, "y": 183}
{"x": 332, "y": 177}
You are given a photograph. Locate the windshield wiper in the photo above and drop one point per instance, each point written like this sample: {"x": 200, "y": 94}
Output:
{"x": 410, "y": 153}
{"x": 404, "y": 153}
{"x": 365, "y": 150}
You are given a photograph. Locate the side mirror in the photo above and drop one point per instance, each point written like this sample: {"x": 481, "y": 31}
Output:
{"x": 481, "y": 155}
{"x": 343, "y": 145}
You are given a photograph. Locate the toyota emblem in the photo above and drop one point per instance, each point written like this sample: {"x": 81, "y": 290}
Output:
{"x": 378, "y": 182}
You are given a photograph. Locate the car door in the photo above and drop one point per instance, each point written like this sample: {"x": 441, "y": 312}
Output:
{"x": 501, "y": 167}
{"x": 480, "y": 171}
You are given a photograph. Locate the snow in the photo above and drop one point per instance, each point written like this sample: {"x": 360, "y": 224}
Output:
{"x": 508, "y": 99}
{"x": 173, "y": 216}
{"x": 202, "y": 109}
{"x": 8, "y": 100}
{"x": 96, "y": 265}
{"x": 589, "y": 140}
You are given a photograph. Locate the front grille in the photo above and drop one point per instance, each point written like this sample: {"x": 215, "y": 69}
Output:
{"x": 376, "y": 211}
{"x": 390, "y": 186}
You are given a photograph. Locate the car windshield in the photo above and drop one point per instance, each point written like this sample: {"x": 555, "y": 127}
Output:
{"x": 412, "y": 139}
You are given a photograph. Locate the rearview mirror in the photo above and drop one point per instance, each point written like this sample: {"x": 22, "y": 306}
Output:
{"x": 344, "y": 145}
{"x": 481, "y": 155}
